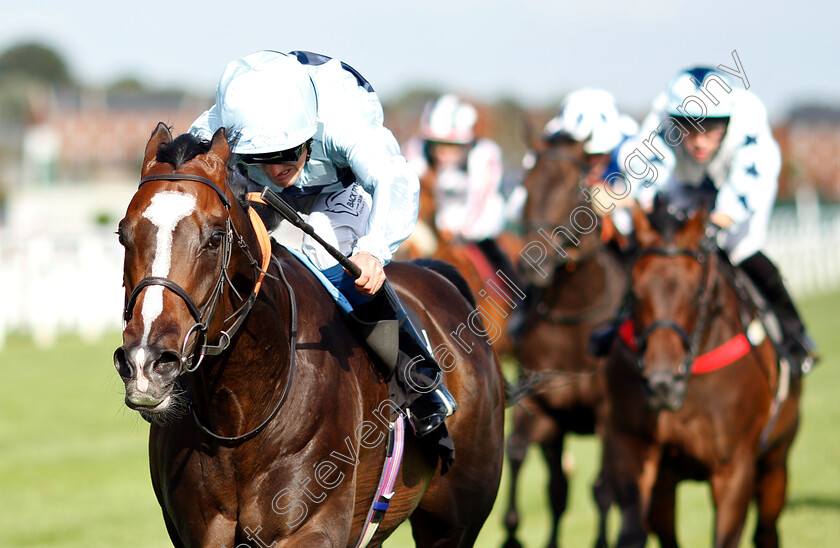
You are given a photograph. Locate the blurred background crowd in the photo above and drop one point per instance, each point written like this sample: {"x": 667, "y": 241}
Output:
{"x": 70, "y": 153}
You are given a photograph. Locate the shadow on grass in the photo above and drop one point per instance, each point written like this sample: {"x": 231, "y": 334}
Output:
{"x": 814, "y": 502}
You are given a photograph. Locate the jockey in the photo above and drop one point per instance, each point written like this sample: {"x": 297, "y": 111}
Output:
{"x": 591, "y": 116}
{"x": 723, "y": 157}
{"x": 311, "y": 128}
{"x": 466, "y": 173}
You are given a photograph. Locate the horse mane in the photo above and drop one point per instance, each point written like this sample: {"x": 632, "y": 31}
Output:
{"x": 182, "y": 149}
{"x": 187, "y": 146}
{"x": 665, "y": 220}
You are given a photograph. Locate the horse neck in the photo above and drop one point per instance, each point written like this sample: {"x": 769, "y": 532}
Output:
{"x": 725, "y": 312}
{"x": 256, "y": 364}
{"x": 582, "y": 283}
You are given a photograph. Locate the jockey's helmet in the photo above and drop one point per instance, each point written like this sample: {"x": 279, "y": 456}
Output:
{"x": 269, "y": 99}
{"x": 701, "y": 93}
{"x": 448, "y": 120}
{"x": 590, "y": 116}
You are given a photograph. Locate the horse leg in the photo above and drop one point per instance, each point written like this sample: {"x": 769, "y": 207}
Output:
{"x": 732, "y": 489}
{"x": 631, "y": 467}
{"x": 558, "y": 484}
{"x": 438, "y": 531}
{"x": 603, "y": 500}
{"x": 517, "y": 447}
{"x": 770, "y": 492}
{"x": 663, "y": 502}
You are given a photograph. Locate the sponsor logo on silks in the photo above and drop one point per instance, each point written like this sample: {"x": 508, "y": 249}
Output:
{"x": 340, "y": 202}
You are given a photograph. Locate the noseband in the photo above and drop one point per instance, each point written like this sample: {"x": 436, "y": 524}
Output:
{"x": 202, "y": 315}
{"x": 690, "y": 341}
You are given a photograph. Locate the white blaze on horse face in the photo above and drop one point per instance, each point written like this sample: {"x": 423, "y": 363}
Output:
{"x": 141, "y": 378}
{"x": 165, "y": 212}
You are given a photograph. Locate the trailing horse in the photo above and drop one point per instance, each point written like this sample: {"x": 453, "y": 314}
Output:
{"x": 270, "y": 423}
{"x": 575, "y": 285}
{"x": 695, "y": 392}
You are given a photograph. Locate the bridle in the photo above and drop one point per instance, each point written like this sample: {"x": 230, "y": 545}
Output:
{"x": 545, "y": 229}
{"x": 203, "y": 315}
{"x": 705, "y": 295}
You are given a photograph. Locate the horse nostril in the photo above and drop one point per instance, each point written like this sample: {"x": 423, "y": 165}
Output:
{"x": 167, "y": 364}
{"x": 124, "y": 368}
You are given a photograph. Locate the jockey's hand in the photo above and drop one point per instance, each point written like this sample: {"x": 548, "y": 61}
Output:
{"x": 372, "y": 276}
{"x": 720, "y": 219}
{"x": 709, "y": 242}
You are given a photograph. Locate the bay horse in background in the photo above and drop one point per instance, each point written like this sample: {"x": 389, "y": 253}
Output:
{"x": 695, "y": 391}
{"x": 576, "y": 284}
{"x": 471, "y": 262}
{"x": 266, "y": 412}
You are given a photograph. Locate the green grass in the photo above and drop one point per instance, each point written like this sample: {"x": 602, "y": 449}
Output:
{"x": 74, "y": 466}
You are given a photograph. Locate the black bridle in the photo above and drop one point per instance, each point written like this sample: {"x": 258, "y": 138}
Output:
{"x": 201, "y": 315}
{"x": 690, "y": 341}
{"x": 545, "y": 228}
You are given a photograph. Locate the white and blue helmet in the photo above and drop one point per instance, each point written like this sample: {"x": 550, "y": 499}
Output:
{"x": 591, "y": 116}
{"x": 270, "y": 100}
{"x": 700, "y": 92}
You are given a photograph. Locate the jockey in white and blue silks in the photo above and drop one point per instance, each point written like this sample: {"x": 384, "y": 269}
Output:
{"x": 706, "y": 143}
{"x": 311, "y": 128}
{"x": 591, "y": 116}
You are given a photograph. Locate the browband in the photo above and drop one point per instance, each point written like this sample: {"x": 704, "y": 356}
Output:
{"x": 187, "y": 177}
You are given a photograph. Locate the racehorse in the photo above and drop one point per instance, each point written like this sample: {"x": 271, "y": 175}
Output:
{"x": 575, "y": 285}
{"x": 695, "y": 391}
{"x": 270, "y": 423}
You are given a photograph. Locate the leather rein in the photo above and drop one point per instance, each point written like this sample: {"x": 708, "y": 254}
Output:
{"x": 202, "y": 315}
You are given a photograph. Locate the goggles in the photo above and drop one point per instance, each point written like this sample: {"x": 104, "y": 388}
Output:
{"x": 281, "y": 157}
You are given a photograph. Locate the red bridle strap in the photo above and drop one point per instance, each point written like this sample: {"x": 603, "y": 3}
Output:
{"x": 729, "y": 352}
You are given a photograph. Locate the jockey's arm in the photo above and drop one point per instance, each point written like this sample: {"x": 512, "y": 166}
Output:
{"x": 752, "y": 182}
{"x": 374, "y": 157}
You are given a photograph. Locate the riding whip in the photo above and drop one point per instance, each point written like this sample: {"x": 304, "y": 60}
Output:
{"x": 276, "y": 202}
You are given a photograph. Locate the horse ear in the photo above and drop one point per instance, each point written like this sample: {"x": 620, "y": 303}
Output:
{"x": 693, "y": 230}
{"x": 161, "y": 135}
{"x": 609, "y": 232}
{"x": 530, "y": 136}
{"x": 220, "y": 146}
{"x": 645, "y": 233}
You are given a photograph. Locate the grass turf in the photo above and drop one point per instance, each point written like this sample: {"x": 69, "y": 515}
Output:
{"x": 74, "y": 468}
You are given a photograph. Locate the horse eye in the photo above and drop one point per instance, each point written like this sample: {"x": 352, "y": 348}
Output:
{"x": 120, "y": 235}
{"x": 216, "y": 239}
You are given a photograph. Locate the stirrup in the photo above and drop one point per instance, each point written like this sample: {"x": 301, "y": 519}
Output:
{"x": 429, "y": 411}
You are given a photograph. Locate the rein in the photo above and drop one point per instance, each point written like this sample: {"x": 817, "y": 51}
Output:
{"x": 202, "y": 315}
{"x": 719, "y": 357}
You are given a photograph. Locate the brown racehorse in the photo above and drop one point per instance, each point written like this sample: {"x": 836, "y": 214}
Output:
{"x": 576, "y": 285}
{"x": 678, "y": 411}
{"x": 266, "y": 412}
{"x": 470, "y": 261}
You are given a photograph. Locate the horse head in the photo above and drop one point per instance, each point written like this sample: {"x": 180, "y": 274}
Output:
{"x": 178, "y": 234}
{"x": 555, "y": 186}
{"x": 669, "y": 295}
